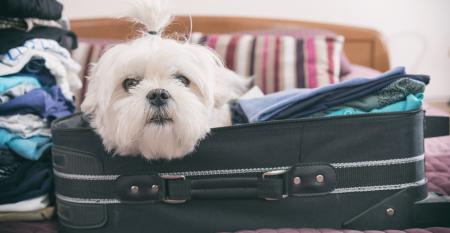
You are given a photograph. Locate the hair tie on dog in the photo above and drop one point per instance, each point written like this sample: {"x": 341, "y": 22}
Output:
{"x": 152, "y": 32}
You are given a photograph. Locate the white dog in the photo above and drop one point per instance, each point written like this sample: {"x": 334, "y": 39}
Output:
{"x": 155, "y": 96}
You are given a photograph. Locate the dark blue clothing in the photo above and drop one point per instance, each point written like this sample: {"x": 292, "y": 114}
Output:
{"x": 9, "y": 163}
{"x": 299, "y": 103}
{"x": 31, "y": 180}
{"x": 49, "y": 104}
{"x": 18, "y": 175}
{"x": 36, "y": 67}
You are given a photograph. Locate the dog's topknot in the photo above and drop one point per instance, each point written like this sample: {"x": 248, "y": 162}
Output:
{"x": 153, "y": 14}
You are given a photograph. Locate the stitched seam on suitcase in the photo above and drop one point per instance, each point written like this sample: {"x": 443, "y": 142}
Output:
{"x": 342, "y": 190}
{"x": 380, "y": 187}
{"x": 87, "y": 200}
{"x": 248, "y": 170}
{"x": 379, "y": 162}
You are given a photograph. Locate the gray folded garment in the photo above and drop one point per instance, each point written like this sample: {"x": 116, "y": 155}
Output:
{"x": 16, "y": 23}
{"x": 394, "y": 92}
{"x": 25, "y": 126}
{"x": 28, "y": 23}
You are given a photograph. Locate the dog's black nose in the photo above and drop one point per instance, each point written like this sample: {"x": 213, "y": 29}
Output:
{"x": 158, "y": 97}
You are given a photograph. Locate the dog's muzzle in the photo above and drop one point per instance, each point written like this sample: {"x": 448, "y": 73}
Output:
{"x": 158, "y": 97}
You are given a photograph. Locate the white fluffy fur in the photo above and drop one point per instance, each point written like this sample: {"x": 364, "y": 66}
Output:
{"x": 120, "y": 116}
{"x": 154, "y": 14}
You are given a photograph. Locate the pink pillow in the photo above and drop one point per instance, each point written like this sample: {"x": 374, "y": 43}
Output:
{"x": 360, "y": 71}
{"x": 279, "y": 62}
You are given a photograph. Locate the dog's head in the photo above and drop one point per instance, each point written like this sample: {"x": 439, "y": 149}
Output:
{"x": 152, "y": 96}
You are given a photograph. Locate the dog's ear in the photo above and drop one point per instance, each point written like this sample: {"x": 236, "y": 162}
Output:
{"x": 230, "y": 85}
{"x": 155, "y": 15}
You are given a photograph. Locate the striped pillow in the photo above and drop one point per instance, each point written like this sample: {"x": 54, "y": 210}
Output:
{"x": 279, "y": 62}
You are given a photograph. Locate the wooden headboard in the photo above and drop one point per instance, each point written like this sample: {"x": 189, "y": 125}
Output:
{"x": 363, "y": 46}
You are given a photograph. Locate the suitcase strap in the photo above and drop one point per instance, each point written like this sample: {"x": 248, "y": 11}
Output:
{"x": 436, "y": 126}
{"x": 304, "y": 179}
{"x": 299, "y": 180}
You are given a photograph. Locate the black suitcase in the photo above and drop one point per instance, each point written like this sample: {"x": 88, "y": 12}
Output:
{"x": 354, "y": 172}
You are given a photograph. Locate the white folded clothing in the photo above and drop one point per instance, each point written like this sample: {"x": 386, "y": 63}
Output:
{"x": 57, "y": 60}
{"x": 26, "y": 125}
{"x": 254, "y": 92}
{"x": 66, "y": 76}
{"x": 26, "y": 205}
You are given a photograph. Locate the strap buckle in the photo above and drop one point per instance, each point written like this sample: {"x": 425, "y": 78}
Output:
{"x": 173, "y": 177}
{"x": 274, "y": 173}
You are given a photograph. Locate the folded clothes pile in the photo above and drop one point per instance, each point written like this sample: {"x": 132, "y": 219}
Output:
{"x": 390, "y": 92}
{"x": 21, "y": 20}
{"x": 37, "y": 80}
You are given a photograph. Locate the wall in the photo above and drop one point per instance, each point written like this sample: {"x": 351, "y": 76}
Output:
{"x": 417, "y": 31}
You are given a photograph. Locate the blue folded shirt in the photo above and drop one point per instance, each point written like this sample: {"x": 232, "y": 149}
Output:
{"x": 49, "y": 104}
{"x": 30, "y": 148}
{"x": 8, "y": 82}
{"x": 297, "y": 103}
{"x": 36, "y": 68}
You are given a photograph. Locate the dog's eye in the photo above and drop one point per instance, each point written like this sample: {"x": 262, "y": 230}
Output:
{"x": 183, "y": 79}
{"x": 129, "y": 83}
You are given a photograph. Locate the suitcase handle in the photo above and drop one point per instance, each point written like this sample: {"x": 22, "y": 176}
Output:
{"x": 300, "y": 179}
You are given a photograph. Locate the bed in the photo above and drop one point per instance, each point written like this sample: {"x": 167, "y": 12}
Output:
{"x": 364, "y": 48}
